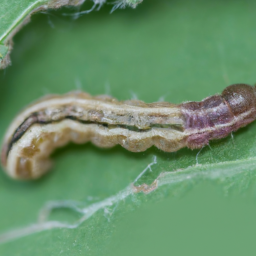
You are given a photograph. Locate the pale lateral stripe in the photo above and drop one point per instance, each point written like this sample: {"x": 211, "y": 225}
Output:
{"x": 118, "y": 107}
{"x": 36, "y": 130}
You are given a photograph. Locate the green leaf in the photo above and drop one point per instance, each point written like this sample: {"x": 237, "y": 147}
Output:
{"x": 203, "y": 203}
{"x": 14, "y": 14}
{"x": 3, "y": 51}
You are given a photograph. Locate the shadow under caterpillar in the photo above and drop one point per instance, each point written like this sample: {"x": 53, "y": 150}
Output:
{"x": 55, "y": 120}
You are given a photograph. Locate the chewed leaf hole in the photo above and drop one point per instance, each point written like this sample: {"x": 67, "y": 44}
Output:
{"x": 65, "y": 212}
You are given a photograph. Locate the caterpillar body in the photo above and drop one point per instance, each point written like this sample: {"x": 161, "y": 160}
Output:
{"x": 77, "y": 117}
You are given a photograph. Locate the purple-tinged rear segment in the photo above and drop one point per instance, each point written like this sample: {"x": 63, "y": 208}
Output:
{"x": 217, "y": 116}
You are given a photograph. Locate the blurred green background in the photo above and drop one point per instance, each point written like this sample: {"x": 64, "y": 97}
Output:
{"x": 176, "y": 50}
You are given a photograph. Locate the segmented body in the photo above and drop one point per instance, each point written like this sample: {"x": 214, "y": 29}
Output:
{"x": 56, "y": 120}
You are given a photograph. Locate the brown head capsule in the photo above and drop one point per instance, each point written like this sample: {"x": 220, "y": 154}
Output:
{"x": 78, "y": 117}
{"x": 241, "y": 98}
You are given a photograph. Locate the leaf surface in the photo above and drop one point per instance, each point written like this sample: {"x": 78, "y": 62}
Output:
{"x": 14, "y": 14}
{"x": 179, "y": 50}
